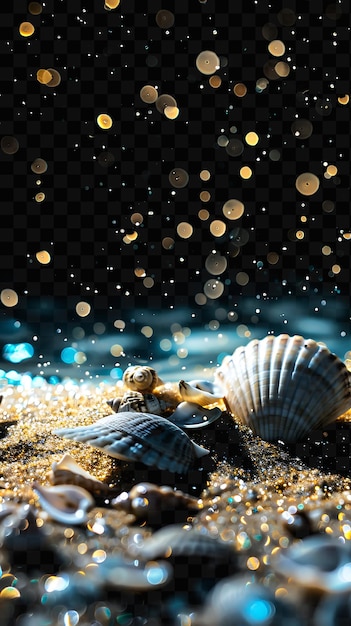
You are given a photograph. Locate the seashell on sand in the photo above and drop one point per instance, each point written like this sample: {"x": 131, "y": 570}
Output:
{"x": 190, "y": 393}
{"x": 189, "y": 415}
{"x": 319, "y": 563}
{"x": 235, "y": 601}
{"x": 67, "y": 504}
{"x": 144, "y": 437}
{"x": 67, "y": 471}
{"x": 141, "y": 378}
{"x": 145, "y": 499}
{"x": 285, "y": 387}
{"x": 176, "y": 540}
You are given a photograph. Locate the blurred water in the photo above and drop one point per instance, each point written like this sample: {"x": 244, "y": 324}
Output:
{"x": 179, "y": 343}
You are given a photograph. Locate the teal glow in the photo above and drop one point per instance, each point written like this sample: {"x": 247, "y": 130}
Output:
{"x": 258, "y": 611}
{"x": 68, "y": 354}
{"x": 17, "y": 352}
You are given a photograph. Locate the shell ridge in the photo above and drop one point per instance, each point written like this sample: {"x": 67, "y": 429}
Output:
{"x": 144, "y": 437}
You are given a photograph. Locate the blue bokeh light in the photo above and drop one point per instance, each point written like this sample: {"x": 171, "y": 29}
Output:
{"x": 17, "y": 352}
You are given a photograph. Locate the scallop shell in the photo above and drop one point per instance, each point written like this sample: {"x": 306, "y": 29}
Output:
{"x": 67, "y": 471}
{"x": 145, "y": 499}
{"x": 176, "y": 540}
{"x": 285, "y": 387}
{"x": 144, "y": 437}
{"x": 67, "y": 504}
{"x": 139, "y": 402}
{"x": 141, "y": 378}
{"x": 320, "y": 563}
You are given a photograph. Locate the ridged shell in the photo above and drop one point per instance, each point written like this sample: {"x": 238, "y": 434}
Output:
{"x": 144, "y": 437}
{"x": 321, "y": 563}
{"x": 139, "y": 402}
{"x": 285, "y": 387}
{"x": 146, "y": 498}
{"x": 66, "y": 471}
{"x": 67, "y": 504}
{"x": 141, "y": 378}
{"x": 179, "y": 541}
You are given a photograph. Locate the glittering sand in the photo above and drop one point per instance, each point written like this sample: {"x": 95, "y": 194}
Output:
{"x": 254, "y": 496}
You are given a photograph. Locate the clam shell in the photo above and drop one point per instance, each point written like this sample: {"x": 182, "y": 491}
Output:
{"x": 320, "y": 563}
{"x": 285, "y": 387}
{"x": 141, "y": 378}
{"x": 144, "y": 437}
{"x": 67, "y": 471}
{"x": 189, "y": 415}
{"x": 176, "y": 540}
{"x": 67, "y": 504}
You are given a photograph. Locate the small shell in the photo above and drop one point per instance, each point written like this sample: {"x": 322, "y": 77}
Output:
{"x": 67, "y": 504}
{"x": 190, "y": 416}
{"x": 176, "y": 540}
{"x": 116, "y": 573}
{"x": 141, "y": 378}
{"x": 114, "y": 404}
{"x": 319, "y": 563}
{"x": 144, "y": 437}
{"x": 141, "y": 403}
{"x": 67, "y": 471}
{"x": 235, "y": 601}
{"x": 285, "y": 387}
{"x": 146, "y": 499}
{"x": 199, "y": 396}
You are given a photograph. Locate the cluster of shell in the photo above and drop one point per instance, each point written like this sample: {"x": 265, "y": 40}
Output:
{"x": 150, "y": 421}
{"x": 316, "y": 567}
{"x": 281, "y": 387}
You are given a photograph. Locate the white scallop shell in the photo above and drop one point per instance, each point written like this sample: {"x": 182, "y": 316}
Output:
{"x": 67, "y": 504}
{"x": 141, "y": 378}
{"x": 284, "y": 387}
{"x": 144, "y": 437}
